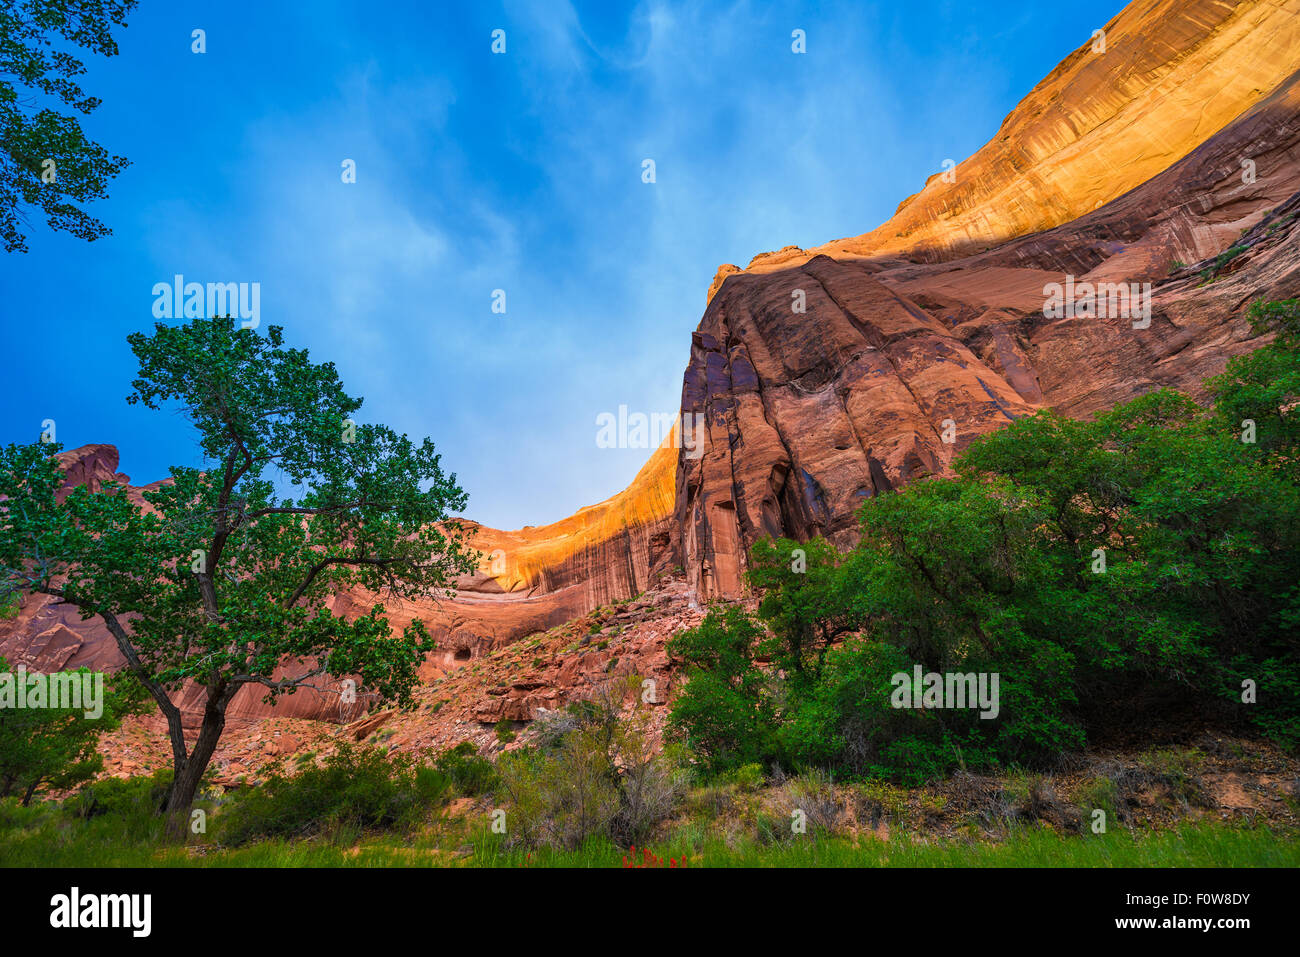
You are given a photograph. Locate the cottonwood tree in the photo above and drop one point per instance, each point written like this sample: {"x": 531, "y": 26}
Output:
{"x": 46, "y": 161}
{"x": 55, "y": 747}
{"x": 220, "y": 580}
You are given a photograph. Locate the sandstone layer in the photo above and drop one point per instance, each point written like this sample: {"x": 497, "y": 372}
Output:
{"x": 1173, "y": 73}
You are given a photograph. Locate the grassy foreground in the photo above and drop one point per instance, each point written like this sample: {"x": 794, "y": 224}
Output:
{"x": 1224, "y": 803}
{"x": 40, "y": 838}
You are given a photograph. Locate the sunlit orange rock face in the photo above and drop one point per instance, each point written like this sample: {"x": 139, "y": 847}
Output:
{"x": 1173, "y": 74}
{"x": 538, "y": 577}
{"x": 1180, "y": 141}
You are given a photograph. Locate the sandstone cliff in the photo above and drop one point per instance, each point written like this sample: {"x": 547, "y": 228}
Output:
{"x": 811, "y": 412}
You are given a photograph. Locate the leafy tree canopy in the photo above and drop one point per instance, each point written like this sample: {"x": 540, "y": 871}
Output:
{"x": 220, "y": 580}
{"x": 46, "y": 161}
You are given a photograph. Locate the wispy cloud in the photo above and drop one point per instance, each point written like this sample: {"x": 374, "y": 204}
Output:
{"x": 520, "y": 172}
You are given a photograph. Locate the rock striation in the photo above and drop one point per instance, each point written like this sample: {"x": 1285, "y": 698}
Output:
{"x": 826, "y": 382}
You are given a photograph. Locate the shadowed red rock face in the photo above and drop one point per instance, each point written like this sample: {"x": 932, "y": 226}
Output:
{"x": 809, "y": 413}
{"x": 906, "y": 350}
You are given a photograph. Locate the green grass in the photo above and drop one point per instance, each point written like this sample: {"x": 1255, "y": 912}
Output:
{"x": 1192, "y": 845}
{"x": 44, "y": 837}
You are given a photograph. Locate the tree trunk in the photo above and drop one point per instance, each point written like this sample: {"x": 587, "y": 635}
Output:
{"x": 27, "y": 798}
{"x": 188, "y": 772}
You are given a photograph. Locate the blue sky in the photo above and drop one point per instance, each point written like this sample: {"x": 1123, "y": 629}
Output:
{"x": 477, "y": 172}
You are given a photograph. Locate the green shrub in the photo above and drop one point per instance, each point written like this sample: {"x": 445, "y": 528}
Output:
{"x": 470, "y": 773}
{"x": 747, "y": 777}
{"x": 356, "y": 789}
{"x": 1210, "y": 273}
{"x": 1100, "y": 794}
{"x": 128, "y": 798}
{"x": 598, "y": 774}
{"x": 1176, "y": 771}
{"x": 1113, "y": 573}
{"x": 57, "y": 747}
{"x": 726, "y": 712}
{"x": 881, "y": 801}
{"x": 561, "y": 798}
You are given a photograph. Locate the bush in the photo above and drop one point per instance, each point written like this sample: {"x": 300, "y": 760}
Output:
{"x": 550, "y": 727}
{"x": 355, "y": 789}
{"x": 597, "y": 774}
{"x": 1100, "y": 794}
{"x": 650, "y": 788}
{"x": 57, "y": 747}
{"x": 1176, "y": 772}
{"x": 747, "y": 778}
{"x": 812, "y": 797}
{"x": 119, "y": 812}
{"x": 1211, "y": 272}
{"x": 561, "y": 798}
{"x": 725, "y": 714}
{"x": 127, "y": 798}
{"x": 469, "y": 772}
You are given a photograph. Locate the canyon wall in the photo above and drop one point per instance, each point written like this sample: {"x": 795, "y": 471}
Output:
{"x": 828, "y": 379}
{"x": 828, "y": 376}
